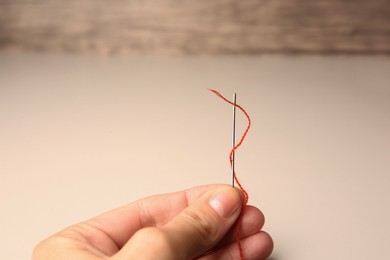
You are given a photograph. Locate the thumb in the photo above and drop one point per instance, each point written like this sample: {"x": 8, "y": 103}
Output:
{"x": 196, "y": 230}
{"x": 204, "y": 223}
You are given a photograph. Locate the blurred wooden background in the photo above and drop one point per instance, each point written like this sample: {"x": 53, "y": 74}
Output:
{"x": 196, "y": 26}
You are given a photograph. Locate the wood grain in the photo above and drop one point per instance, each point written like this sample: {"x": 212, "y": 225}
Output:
{"x": 196, "y": 26}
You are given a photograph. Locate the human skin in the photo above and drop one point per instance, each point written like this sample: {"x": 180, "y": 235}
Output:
{"x": 198, "y": 223}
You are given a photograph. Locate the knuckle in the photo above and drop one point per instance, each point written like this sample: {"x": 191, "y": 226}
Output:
{"x": 39, "y": 250}
{"x": 45, "y": 248}
{"x": 158, "y": 241}
{"x": 149, "y": 234}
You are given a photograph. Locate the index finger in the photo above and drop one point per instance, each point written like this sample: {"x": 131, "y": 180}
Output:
{"x": 120, "y": 224}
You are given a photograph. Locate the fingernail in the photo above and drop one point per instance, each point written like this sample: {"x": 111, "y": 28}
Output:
{"x": 225, "y": 202}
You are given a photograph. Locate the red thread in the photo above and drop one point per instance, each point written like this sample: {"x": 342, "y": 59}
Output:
{"x": 235, "y": 175}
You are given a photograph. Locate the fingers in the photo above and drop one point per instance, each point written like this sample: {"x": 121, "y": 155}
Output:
{"x": 197, "y": 229}
{"x": 257, "y": 247}
{"x": 122, "y": 223}
{"x": 252, "y": 222}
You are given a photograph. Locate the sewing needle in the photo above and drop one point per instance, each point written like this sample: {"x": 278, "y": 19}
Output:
{"x": 234, "y": 137}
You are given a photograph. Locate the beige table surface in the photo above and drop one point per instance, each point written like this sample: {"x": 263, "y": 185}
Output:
{"x": 80, "y": 135}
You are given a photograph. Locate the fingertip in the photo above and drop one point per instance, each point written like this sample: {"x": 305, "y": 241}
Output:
{"x": 267, "y": 244}
{"x": 258, "y": 246}
{"x": 226, "y": 202}
{"x": 253, "y": 217}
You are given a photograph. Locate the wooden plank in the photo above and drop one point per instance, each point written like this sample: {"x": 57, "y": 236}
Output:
{"x": 196, "y": 26}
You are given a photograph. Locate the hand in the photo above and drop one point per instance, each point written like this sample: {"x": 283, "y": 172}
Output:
{"x": 196, "y": 223}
